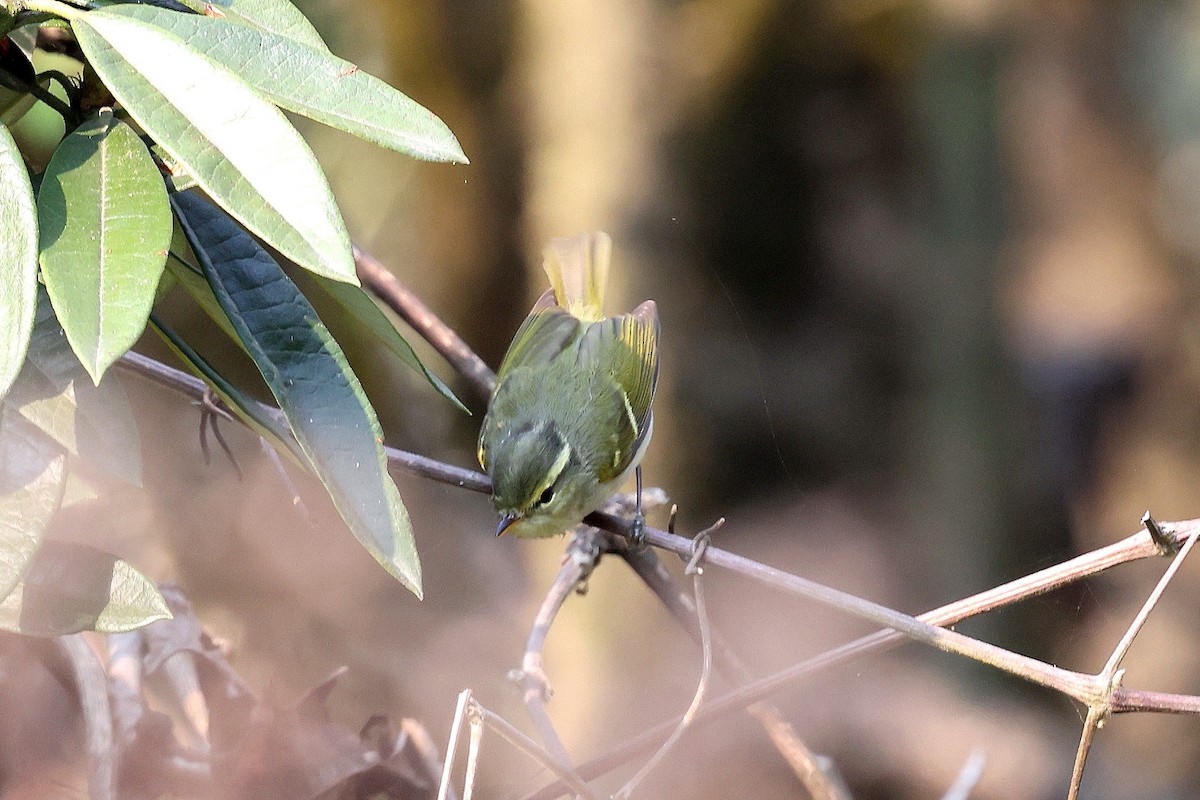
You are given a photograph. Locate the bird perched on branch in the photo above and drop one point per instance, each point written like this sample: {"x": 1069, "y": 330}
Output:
{"x": 570, "y": 416}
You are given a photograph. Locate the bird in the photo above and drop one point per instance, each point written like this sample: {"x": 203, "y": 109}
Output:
{"x": 570, "y": 417}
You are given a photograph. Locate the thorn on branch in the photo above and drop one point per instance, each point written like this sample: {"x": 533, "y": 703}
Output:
{"x": 1162, "y": 539}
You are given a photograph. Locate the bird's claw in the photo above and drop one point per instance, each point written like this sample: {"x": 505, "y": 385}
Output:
{"x": 637, "y": 532}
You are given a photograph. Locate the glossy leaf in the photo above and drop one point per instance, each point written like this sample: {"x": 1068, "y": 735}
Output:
{"x": 237, "y": 146}
{"x": 307, "y": 372}
{"x": 32, "y": 476}
{"x": 363, "y": 309}
{"x": 105, "y": 228}
{"x": 312, "y": 82}
{"x": 18, "y": 257}
{"x": 55, "y": 393}
{"x": 70, "y": 587}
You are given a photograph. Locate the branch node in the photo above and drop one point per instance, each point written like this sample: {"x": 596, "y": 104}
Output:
{"x": 1161, "y": 537}
{"x": 700, "y": 545}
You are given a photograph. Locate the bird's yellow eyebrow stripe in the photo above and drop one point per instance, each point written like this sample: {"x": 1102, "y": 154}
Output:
{"x": 560, "y": 463}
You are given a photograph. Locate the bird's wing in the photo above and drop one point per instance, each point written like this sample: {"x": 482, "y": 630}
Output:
{"x": 545, "y": 333}
{"x": 625, "y": 349}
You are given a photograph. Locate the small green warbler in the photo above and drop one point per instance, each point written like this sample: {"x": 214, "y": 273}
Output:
{"x": 570, "y": 419}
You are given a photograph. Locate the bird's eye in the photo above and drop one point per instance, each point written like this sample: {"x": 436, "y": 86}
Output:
{"x": 546, "y": 496}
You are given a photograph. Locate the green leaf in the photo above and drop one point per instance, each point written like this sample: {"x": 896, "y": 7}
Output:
{"x": 105, "y": 229}
{"x": 32, "y": 476}
{"x": 237, "y": 146}
{"x": 71, "y": 587}
{"x": 312, "y": 82}
{"x": 55, "y": 393}
{"x": 275, "y": 16}
{"x": 307, "y": 372}
{"x": 363, "y": 309}
{"x": 18, "y": 258}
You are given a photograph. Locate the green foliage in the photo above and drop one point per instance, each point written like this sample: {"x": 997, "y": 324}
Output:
{"x": 171, "y": 99}
{"x": 105, "y": 229}
{"x": 307, "y": 372}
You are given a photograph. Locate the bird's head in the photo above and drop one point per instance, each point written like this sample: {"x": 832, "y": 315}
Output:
{"x": 530, "y": 464}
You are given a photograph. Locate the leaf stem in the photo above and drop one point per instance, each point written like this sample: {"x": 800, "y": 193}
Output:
{"x": 55, "y": 8}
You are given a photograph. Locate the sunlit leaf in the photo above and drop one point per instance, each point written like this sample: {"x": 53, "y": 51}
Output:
{"x": 307, "y": 372}
{"x": 32, "y": 476}
{"x": 105, "y": 228}
{"x": 18, "y": 258}
{"x": 70, "y": 587}
{"x": 237, "y": 146}
{"x": 312, "y": 82}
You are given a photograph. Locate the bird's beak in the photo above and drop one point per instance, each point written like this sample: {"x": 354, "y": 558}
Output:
{"x": 506, "y": 521}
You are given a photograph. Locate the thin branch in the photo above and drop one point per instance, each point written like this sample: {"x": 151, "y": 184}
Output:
{"x": 473, "y": 747}
{"x": 1132, "y": 548}
{"x": 1125, "y": 701}
{"x": 578, "y": 562}
{"x": 1135, "y": 627}
{"x": 706, "y": 662}
{"x": 531, "y": 749}
{"x": 1095, "y": 717}
{"x": 460, "y": 714}
{"x": 1099, "y": 711}
{"x": 782, "y": 734}
{"x": 388, "y": 288}
{"x": 182, "y": 382}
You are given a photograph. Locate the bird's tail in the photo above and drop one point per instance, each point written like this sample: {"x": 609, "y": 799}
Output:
{"x": 578, "y": 271}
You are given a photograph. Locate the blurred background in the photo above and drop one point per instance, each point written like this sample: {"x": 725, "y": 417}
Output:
{"x": 928, "y": 279}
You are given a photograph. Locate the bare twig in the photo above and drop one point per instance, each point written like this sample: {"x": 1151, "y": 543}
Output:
{"x": 578, "y": 562}
{"x": 1132, "y": 548}
{"x": 193, "y": 387}
{"x": 1099, "y": 711}
{"x": 700, "y": 543}
{"x": 476, "y": 723}
{"x": 460, "y": 714}
{"x": 534, "y": 751}
{"x": 782, "y": 734}
{"x": 1091, "y": 723}
{"x": 388, "y": 288}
